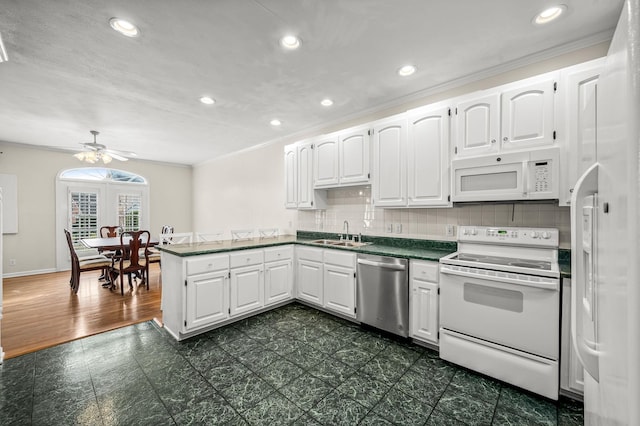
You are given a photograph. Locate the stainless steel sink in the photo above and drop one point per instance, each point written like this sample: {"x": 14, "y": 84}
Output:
{"x": 340, "y": 243}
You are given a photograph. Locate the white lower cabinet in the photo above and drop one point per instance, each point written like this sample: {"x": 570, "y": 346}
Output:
{"x": 340, "y": 282}
{"x": 247, "y": 281}
{"x": 309, "y": 274}
{"x": 206, "y": 291}
{"x": 424, "y": 322}
{"x": 278, "y": 274}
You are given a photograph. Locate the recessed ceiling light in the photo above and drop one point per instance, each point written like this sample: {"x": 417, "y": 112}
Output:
{"x": 275, "y": 122}
{"x": 3, "y": 52}
{"x": 549, "y": 14}
{"x": 406, "y": 70}
{"x": 326, "y": 102}
{"x": 207, "y": 100}
{"x": 290, "y": 42}
{"x": 124, "y": 27}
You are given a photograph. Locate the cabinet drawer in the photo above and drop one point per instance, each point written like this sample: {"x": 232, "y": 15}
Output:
{"x": 309, "y": 253}
{"x": 246, "y": 258}
{"x": 202, "y": 264}
{"x": 426, "y": 271}
{"x": 340, "y": 258}
{"x": 278, "y": 253}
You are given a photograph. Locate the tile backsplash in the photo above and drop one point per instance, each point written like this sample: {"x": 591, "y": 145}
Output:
{"x": 354, "y": 205}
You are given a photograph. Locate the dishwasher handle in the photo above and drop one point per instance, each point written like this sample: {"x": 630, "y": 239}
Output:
{"x": 393, "y": 266}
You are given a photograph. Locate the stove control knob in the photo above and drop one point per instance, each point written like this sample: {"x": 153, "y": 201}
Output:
{"x": 474, "y": 231}
{"x": 465, "y": 231}
{"x": 534, "y": 234}
{"x": 546, "y": 235}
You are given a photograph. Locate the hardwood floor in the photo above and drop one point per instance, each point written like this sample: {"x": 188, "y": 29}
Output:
{"x": 40, "y": 311}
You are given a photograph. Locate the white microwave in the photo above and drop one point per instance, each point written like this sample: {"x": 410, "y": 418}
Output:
{"x": 529, "y": 175}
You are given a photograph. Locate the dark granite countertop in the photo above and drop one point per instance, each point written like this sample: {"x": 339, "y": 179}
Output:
{"x": 383, "y": 246}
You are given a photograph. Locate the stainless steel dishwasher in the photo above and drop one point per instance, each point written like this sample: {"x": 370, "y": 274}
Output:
{"x": 383, "y": 293}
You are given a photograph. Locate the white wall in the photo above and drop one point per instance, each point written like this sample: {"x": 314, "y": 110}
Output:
{"x": 34, "y": 246}
{"x": 246, "y": 190}
{"x": 242, "y": 191}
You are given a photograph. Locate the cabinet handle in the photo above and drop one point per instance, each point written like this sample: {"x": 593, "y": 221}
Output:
{"x": 493, "y": 141}
{"x": 505, "y": 139}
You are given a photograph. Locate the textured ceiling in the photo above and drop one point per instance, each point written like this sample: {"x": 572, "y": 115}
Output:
{"x": 69, "y": 72}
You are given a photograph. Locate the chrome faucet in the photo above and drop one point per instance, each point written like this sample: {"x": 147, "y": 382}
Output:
{"x": 346, "y": 224}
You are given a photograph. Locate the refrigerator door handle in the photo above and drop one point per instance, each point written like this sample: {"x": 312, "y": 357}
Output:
{"x": 583, "y": 305}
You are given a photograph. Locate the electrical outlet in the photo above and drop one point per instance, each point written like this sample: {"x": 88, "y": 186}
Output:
{"x": 12, "y": 262}
{"x": 398, "y": 228}
{"x": 450, "y": 230}
{"x": 389, "y": 227}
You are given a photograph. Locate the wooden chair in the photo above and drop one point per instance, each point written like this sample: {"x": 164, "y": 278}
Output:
{"x": 134, "y": 258}
{"x": 154, "y": 254}
{"x": 84, "y": 260}
{"x": 109, "y": 232}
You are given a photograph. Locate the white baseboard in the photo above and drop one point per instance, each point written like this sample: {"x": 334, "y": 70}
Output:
{"x": 25, "y": 273}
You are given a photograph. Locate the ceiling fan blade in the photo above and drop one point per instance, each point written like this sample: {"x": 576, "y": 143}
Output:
{"x": 116, "y": 156}
{"x": 121, "y": 153}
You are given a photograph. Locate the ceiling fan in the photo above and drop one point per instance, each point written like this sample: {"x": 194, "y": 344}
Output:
{"x": 94, "y": 152}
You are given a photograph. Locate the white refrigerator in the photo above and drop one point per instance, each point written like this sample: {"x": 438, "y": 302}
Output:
{"x": 605, "y": 233}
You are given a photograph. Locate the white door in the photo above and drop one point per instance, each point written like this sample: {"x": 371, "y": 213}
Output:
{"x": 477, "y": 125}
{"x": 291, "y": 176}
{"x": 305, "y": 175}
{"x": 389, "y": 162}
{"x": 278, "y": 281}
{"x": 424, "y": 310}
{"x": 340, "y": 289}
{"x": 428, "y": 157}
{"x": 207, "y": 299}
{"x": 354, "y": 156}
{"x": 309, "y": 281}
{"x": 247, "y": 289}
{"x": 325, "y": 159}
{"x": 528, "y": 116}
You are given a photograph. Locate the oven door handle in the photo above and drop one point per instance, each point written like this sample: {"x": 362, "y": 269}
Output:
{"x": 554, "y": 286}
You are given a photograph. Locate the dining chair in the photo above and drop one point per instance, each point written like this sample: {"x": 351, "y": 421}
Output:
{"x": 154, "y": 254}
{"x": 176, "y": 238}
{"x": 84, "y": 260}
{"x": 209, "y": 237}
{"x": 110, "y": 231}
{"x": 134, "y": 258}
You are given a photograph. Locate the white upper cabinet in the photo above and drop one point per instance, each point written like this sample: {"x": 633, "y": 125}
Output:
{"x": 326, "y": 161}
{"x": 298, "y": 174}
{"x": 478, "y": 125}
{"x": 528, "y": 116}
{"x": 342, "y": 158}
{"x": 389, "y": 185}
{"x": 514, "y": 117}
{"x": 428, "y": 156}
{"x": 580, "y": 86}
{"x": 354, "y": 156}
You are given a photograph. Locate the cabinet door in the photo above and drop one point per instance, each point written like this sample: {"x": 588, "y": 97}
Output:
{"x": 326, "y": 162}
{"x": 305, "y": 175}
{"x": 581, "y": 88}
{"x": 207, "y": 298}
{"x": 247, "y": 289}
{"x": 278, "y": 281}
{"x": 424, "y": 311}
{"x": 340, "y": 289}
{"x": 354, "y": 156}
{"x": 477, "y": 125}
{"x": 389, "y": 162}
{"x": 527, "y": 116}
{"x": 309, "y": 280}
{"x": 428, "y": 157}
{"x": 291, "y": 176}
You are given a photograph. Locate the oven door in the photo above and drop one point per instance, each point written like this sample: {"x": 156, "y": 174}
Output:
{"x": 514, "y": 310}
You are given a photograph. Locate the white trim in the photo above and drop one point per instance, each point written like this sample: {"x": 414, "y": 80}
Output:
{"x": 35, "y": 272}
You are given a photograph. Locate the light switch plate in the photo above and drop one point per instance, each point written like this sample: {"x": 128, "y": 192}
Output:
{"x": 389, "y": 227}
{"x": 450, "y": 230}
{"x": 398, "y": 228}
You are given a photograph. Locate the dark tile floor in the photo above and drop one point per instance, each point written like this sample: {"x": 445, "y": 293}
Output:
{"x": 292, "y": 365}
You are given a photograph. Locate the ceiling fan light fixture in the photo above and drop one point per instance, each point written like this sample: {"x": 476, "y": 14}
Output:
{"x": 124, "y": 27}
{"x": 549, "y": 14}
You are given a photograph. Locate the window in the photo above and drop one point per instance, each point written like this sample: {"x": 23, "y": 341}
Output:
{"x": 102, "y": 174}
{"x": 84, "y": 216}
{"x": 129, "y": 207}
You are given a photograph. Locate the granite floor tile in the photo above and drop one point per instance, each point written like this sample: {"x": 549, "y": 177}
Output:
{"x": 306, "y": 391}
{"x": 286, "y": 325}
{"x": 465, "y": 408}
{"x": 118, "y": 377}
{"x": 401, "y": 354}
{"x": 332, "y": 371}
{"x": 224, "y": 335}
{"x": 570, "y": 412}
{"x": 136, "y": 403}
{"x": 261, "y": 333}
{"x": 363, "y": 389}
{"x": 16, "y": 410}
{"x": 306, "y": 356}
{"x": 247, "y": 392}
{"x": 373, "y": 419}
{"x": 370, "y": 343}
{"x": 223, "y": 375}
{"x": 184, "y": 393}
{"x": 305, "y": 420}
{"x": 427, "y": 388}
{"x": 213, "y": 410}
{"x": 273, "y": 410}
{"x": 241, "y": 345}
{"x": 384, "y": 369}
{"x": 507, "y": 418}
{"x": 335, "y": 409}
{"x": 531, "y": 407}
{"x": 477, "y": 385}
{"x": 429, "y": 366}
{"x": 401, "y": 408}
{"x": 258, "y": 358}
{"x": 70, "y": 411}
{"x": 439, "y": 419}
{"x": 330, "y": 343}
{"x": 282, "y": 344}
{"x": 353, "y": 357}
{"x": 280, "y": 372}
{"x": 306, "y": 333}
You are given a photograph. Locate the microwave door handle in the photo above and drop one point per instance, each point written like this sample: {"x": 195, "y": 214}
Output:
{"x": 525, "y": 178}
